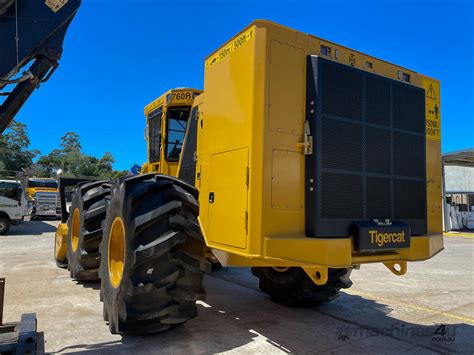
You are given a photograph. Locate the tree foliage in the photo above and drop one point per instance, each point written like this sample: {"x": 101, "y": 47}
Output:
{"x": 70, "y": 142}
{"x": 74, "y": 163}
{"x": 15, "y": 156}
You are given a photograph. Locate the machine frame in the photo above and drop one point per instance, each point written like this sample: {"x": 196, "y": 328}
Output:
{"x": 251, "y": 220}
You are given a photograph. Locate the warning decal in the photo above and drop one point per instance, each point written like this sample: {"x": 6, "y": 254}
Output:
{"x": 233, "y": 45}
{"x": 433, "y": 121}
{"x": 430, "y": 94}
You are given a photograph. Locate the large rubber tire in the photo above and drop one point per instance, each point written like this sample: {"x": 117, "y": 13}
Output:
{"x": 91, "y": 200}
{"x": 294, "y": 288}
{"x": 161, "y": 278}
{"x": 4, "y": 225}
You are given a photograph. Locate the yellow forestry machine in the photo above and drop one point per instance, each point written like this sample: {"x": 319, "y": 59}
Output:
{"x": 302, "y": 159}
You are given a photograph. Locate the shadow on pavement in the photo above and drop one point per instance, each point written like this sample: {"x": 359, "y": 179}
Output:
{"x": 95, "y": 285}
{"x": 367, "y": 328}
{"x": 32, "y": 228}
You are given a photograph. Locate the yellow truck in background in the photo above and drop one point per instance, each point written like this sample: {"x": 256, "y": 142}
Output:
{"x": 43, "y": 193}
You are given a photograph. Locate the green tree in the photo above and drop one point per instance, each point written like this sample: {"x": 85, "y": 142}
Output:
{"x": 15, "y": 155}
{"x": 117, "y": 174}
{"x": 51, "y": 162}
{"x": 74, "y": 163}
{"x": 70, "y": 142}
{"x": 14, "y": 144}
{"x": 105, "y": 165}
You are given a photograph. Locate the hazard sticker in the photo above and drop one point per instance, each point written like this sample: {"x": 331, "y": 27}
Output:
{"x": 433, "y": 120}
{"x": 430, "y": 93}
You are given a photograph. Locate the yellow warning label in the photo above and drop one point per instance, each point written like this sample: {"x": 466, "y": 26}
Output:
{"x": 233, "y": 45}
{"x": 433, "y": 119}
{"x": 430, "y": 93}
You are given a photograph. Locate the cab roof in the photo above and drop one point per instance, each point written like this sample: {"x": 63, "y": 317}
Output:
{"x": 164, "y": 98}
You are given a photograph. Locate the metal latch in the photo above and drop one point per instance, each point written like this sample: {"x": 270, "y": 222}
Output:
{"x": 307, "y": 143}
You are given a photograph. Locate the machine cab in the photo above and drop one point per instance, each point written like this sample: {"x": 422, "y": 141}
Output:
{"x": 166, "y": 122}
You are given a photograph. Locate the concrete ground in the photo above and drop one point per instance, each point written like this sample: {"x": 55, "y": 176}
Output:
{"x": 429, "y": 310}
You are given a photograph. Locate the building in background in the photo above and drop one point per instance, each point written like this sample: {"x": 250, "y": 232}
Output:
{"x": 458, "y": 190}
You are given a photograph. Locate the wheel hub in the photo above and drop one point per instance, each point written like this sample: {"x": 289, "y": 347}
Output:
{"x": 116, "y": 252}
{"x": 75, "y": 230}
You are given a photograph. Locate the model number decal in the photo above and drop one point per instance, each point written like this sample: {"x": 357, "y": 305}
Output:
{"x": 180, "y": 96}
{"x": 233, "y": 45}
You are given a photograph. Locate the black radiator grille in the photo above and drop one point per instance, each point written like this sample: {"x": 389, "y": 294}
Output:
{"x": 369, "y": 150}
{"x": 408, "y": 107}
{"x": 377, "y": 150}
{"x": 333, "y": 195}
{"x": 379, "y": 202}
{"x": 408, "y": 152}
{"x": 341, "y": 145}
{"x": 409, "y": 199}
{"x": 349, "y": 101}
{"x": 377, "y": 101}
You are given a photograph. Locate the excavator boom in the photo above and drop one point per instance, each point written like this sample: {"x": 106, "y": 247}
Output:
{"x": 31, "y": 37}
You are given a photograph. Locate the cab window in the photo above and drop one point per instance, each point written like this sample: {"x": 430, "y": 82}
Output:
{"x": 52, "y": 184}
{"x": 10, "y": 190}
{"x": 154, "y": 134}
{"x": 177, "y": 121}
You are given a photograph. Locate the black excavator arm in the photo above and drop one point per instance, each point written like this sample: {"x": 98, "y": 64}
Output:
{"x": 31, "y": 37}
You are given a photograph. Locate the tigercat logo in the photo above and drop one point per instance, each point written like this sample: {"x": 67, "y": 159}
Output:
{"x": 382, "y": 238}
